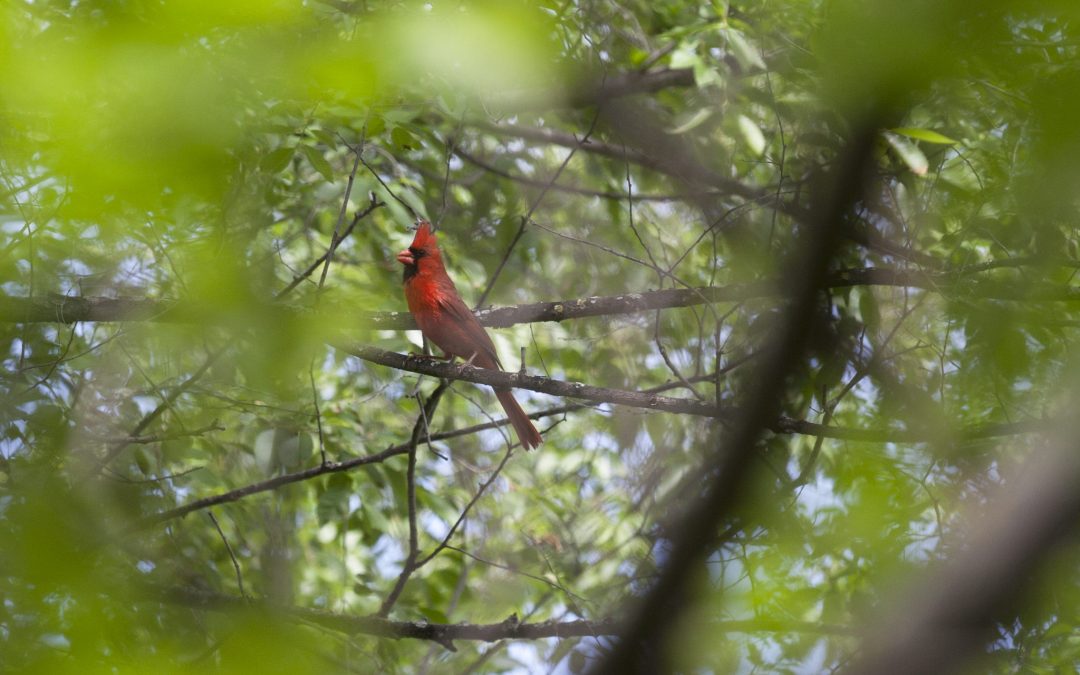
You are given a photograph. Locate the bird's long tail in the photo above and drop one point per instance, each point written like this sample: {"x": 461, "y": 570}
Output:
{"x": 526, "y": 432}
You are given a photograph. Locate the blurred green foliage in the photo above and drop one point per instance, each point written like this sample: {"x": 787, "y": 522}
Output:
{"x": 201, "y": 152}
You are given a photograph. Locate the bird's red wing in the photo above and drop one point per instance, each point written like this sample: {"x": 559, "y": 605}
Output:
{"x": 470, "y": 337}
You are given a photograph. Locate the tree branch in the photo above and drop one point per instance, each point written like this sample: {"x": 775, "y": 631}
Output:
{"x": 468, "y": 507}
{"x": 518, "y": 380}
{"x": 273, "y": 483}
{"x": 651, "y": 401}
{"x": 66, "y": 310}
{"x": 784, "y": 425}
{"x": 445, "y": 634}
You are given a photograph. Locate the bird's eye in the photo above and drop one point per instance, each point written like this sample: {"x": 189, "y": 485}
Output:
{"x": 416, "y": 252}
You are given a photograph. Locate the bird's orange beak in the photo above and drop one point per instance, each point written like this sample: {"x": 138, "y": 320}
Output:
{"x": 406, "y": 257}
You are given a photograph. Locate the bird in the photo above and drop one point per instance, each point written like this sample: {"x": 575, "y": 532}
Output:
{"x": 445, "y": 320}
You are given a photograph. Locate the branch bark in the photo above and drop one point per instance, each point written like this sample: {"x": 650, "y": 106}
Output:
{"x": 648, "y": 400}
{"x": 445, "y": 634}
{"x": 518, "y": 380}
{"x": 955, "y": 283}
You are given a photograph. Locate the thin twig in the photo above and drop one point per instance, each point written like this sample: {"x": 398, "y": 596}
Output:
{"x": 419, "y": 431}
{"x": 527, "y": 218}
{"x": 232, "y": 556}
{"x": 514, "y": 570}
{"x": 157, "y": 438}
{"x": 373, "y": 204}
{"x": 451, "y": 148}
{"x": 318, "y": 413}
{"x": 335, "y": 239}
{"x": 145, "y": 481}
{"x": 167, "y": 402}
{"x": 386, "y": 187}
{"x": 465, "y": 512}
{"x": 577, "y": 189}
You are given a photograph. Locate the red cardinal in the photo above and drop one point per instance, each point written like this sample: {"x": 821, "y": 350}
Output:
{"x": 448, "y": 322}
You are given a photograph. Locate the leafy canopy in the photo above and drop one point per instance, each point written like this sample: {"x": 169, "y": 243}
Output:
{"x": 185, "y": 166}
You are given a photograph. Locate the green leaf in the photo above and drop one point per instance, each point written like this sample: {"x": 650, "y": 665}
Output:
{"x": 638, "y": 56}
{"x": 960, "y": 174}
{"x": 868, "y": 309}
{"x": 144, "y": 460}
{"x": 909, "y": 153}
{"x": 744, "y": 50}
{"x": 705, "y": 75}
{"x": 375, "y": 126}
{"x": 685, "y": 56}
{"x": 277, "y": 160}
{"x": 579, "y": 662}
{"x": 325, "y": 137}
{"x": 751, "y": 133}
{"x": 926, "y": 135}
{"x": 403, "y": 138}
{"x": 333, "y": 502}
{"x": 318, "y": 162}
{"x": 696, "y": 119}
{"x": 264, "y": 451}
{"x": 293, "y": 449}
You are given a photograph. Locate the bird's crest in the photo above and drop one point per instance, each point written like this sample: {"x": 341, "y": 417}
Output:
{"x": 425, "y": 235}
